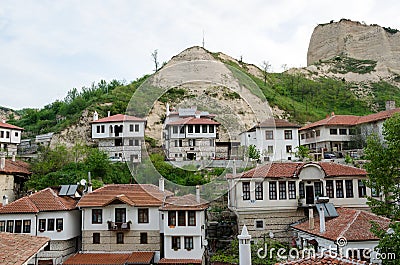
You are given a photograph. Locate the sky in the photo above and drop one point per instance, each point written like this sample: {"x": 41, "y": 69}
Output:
{"x": 50, "y": 47}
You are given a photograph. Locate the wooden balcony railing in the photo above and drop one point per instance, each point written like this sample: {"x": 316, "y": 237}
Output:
{"x": 118, "y": 226}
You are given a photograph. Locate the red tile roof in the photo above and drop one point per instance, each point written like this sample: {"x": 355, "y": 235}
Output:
{"x": 16, "y": 167}
{"x": 44, "y": 200}
{"x": 194, "y": 121}
{"x": 18, "y": 249}
{"x": 292, "y": 169}
{"x": 119, "y": 118}
{"x": 186, "y": 202}
{"x": 277, "y": 123}
{"x": 135, "y": 194}
{"x": 318, "y": 259}
{"x": 179, "y": 261}
{"x": 351, "y": 120}
{"x": 354, "y": 225}
{"x": 9, "y": 126}
{"x": 110, "y": 258}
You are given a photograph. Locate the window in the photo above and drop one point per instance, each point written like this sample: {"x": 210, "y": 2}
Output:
{"x": 137, "y": 142}
{"x": 102, "y": 128}
{"x": 339, "y": 188}
{"x": 288, "y": 149}
{"x": 317, "y": 133}
{"x": 96, "y": 238}
{"x": 120, "y": 215}
{"x": 47, "y": 248}
{"x": 329, "y": 188}
{"x": 317, "y": 189}
{"x": 292, "y": 189}
{"x": 204, "y": 128}
{"x": 191, "y": 218}
{"x": 211, "y": 128}
{"x": 130, "y": 142}
{"x": 7, "y": 135}
{"x": 42, "y": 225}
{"x": 282, "y": 190}
{"x": 288, "y": 134}
{"x": 301, "y": 190}
{"x": 343, "y": 131}
{"x": 176, "y": 242}
{"x": 270, "y": 149}
{"x": 174, "y": 129}
{"x": 120, "y": 238}
{"x": 374, "y": 192}
{"x": 27, "y": 226}
{"x": 172, "y": 218}
{"x": 302, "y": 136}
{"x": 333, "y": 131}
{"x": 259, "y": 224}
{"x": 16, "y": 134}
{"x": 349, "y": 188}
{"x": 362, "y": 191}
{"x": 192, "y": 142}
{"x": 272, "y": 190}
{"x": 118, "y": 142}
{"x": 143, "y": 238}
{"x": 59, "y": 224}
{"x": 2, "y": 226}
{"x": 18, "y": 226}
{"x": 182, "y": 129}
{"x": 269, "y": 135}
{"x": 259, "y": 191}
{"x": 197, "y": 128}
{"x": 181, "y": 218}
{"x": 143, "y": 216}
{"x": 246, "y": 191}
{"x": 136, "y": 127}
{"x": 98, "y": 129}
{"x": 190, "y": 129}
{"x": 188, "y": 242}
{"x": 97, "y": 216}
{"x": 180, "y": 143}
{"x": 50, "y": 224}
{"x": 111, "y": 129}
{"x": 211, "y": 142}
{"x": 131, "y": 127}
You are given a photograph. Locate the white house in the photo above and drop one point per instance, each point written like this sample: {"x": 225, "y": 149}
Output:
{"x": 276, "y": 139}
{"x": 47, "y": 214}
{"x": 335, "y": 132}
{"x": 190, "y": 135}
{"x": 10, "y": 137}
{"x": 120, "y": 136}
{"x": 136, "y": 218}
{"x": 270, "y": 197}
{"x": 349, "y": 233}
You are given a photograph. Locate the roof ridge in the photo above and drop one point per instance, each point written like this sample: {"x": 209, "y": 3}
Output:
{"x": 58, "y": 199}
{"x": 358, "y": 212}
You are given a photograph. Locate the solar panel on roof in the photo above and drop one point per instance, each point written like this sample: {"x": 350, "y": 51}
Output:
{"x": 64, "y": 190}
{"x": 329, "y": 209}
{"x": 72, "y": 189}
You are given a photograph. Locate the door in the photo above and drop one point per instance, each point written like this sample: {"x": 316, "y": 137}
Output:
{"x": 309, "y": 194}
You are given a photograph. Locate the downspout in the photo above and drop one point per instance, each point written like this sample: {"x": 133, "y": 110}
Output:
{"x": 36, "y": 228}
{"x": 83, "y": 227}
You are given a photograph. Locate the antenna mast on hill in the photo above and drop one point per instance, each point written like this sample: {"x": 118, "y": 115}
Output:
{"x": 203, "y": 38}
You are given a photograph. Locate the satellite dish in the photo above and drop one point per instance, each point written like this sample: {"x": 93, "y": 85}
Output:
{"x": 83, "y": 182}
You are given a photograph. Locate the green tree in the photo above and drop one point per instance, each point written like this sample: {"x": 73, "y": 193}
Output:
{"x": 302, "y": 152}
{"x": 253, "y": 152}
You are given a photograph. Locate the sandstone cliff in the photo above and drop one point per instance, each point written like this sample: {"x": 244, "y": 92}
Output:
{"x": 356, "y": 40}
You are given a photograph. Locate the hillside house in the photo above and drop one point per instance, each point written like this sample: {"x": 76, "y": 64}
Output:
{"x": 10, "y": 138}
{"x": 138, "y": 218}
{"x": 190, "y": 135}
{"x": 120, "y": 136}
{"x": 13, "y": 174}
{"x": 276, "y": 139}
{"x": 271, "y": 197}
{"x": 336, "y": 132}
{"x": 47, "y": 214}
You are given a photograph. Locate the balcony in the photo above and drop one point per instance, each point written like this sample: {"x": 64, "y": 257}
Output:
{"x": 119, "y": 226}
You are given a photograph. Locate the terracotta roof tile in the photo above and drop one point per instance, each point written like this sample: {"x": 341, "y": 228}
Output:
{"x": 9, "y": 126}
{"x": 292, "y": 169}
{"x": 354, "y": 225}
{"x": 179, "y": 261}
{"x": 278, "y": 123}
{"x": 187, "y": 202}
{"x": 194, "y": 121}
{"x": 322, "y": 260}
{"x": 119, "y": 118}
{"x": 18, "y": 249}
{"x": 16, "y": 167}
{"x": 110, "y": 258}
{"x": 138, "y": 194}
{"x": 44, "y": 200}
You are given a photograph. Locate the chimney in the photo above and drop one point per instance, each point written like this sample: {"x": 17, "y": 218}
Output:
{"x": 390, "y": 104}
{"x": 108, "y": 113}
{"x": 244, "y": 247}
{"x": 234, "y": 168}
{"x": 5, "y": 200}
{"x": 167, "y": 112}
{"x": 95, "y": 116}
{"x": 13, "y": 157}
{"x": 310, "y": 218}
{"x": 161, "y": 184}
{"x": 3, "y": 120}
{"x": 2, "y": 162}
{"x": 322, "y": 228}
{"x": 333, "y": 114}
{"x": 90, "y": 188}
{"x": 197, "y": 193}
